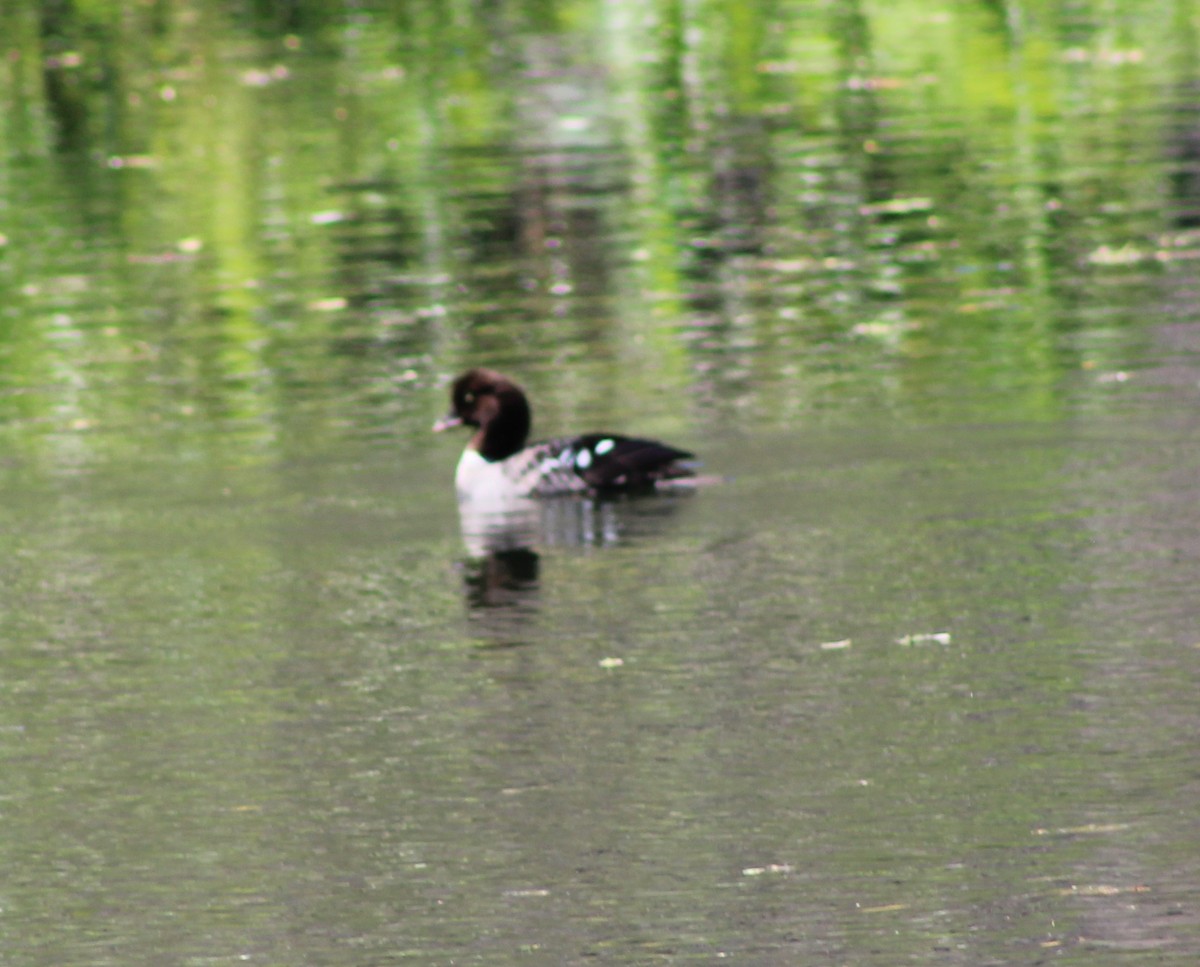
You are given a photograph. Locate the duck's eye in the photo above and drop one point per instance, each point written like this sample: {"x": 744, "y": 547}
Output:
{"x": 468, "y": 397}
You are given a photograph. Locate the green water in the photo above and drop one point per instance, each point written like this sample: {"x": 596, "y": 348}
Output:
{"x": 915, "y": 684}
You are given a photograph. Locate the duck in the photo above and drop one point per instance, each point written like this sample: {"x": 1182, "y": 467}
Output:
{"x": 500, "y": 464}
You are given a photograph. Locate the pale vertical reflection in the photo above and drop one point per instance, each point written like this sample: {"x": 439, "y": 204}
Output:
{"x": 1028, "y": 174}
{"x": 647, "y": 297}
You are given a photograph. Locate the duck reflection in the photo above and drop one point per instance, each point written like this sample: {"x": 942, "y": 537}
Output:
{"x": 503, "y": 565}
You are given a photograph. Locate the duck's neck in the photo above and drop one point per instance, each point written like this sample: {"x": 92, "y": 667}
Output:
{"x": 503, "y": 427}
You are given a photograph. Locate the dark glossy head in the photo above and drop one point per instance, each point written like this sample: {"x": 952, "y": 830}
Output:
{"x": 496, "y": 405}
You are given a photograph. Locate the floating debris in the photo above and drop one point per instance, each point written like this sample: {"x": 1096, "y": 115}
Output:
{"x": 1102, "y": 889}
{"x": 327, "y": 217}
{"x": 769, "y": 868}
{"x": 1109, "y": 57}
{"x": 611, "y": 662}
{"x": 68, "y": 59}
{"x": 119, "y": 161}
{"x": 882, "y": 328}
{"x": 935, "y": 637}
{"x": 886, "y": 908}
{"x": 897, "y": 206}
{"x": 1125, "y": 255}
{"x": 261, "y": 77}
{"x": 1088, "y": 828}
{"x": 835, "y": 645}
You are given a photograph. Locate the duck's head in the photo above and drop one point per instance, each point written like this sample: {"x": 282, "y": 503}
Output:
{"x": 494, "y": 404}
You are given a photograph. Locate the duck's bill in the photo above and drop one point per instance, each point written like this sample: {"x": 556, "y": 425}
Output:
{"x": 447, "y": 422}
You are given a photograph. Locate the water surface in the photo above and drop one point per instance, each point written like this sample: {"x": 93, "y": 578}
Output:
{"x": 916, "y": 683}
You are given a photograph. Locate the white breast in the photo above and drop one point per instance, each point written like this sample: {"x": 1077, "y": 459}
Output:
{"x": 543, "y": 469}
{"x": 489, "y": 486}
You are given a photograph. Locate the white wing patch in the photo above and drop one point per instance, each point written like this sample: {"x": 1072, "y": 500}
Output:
{"x": 583, "y": 460}
{"x": 603, "y": 447}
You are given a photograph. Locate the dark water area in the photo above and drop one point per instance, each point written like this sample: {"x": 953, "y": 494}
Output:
{"x": 915, "y": 682}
